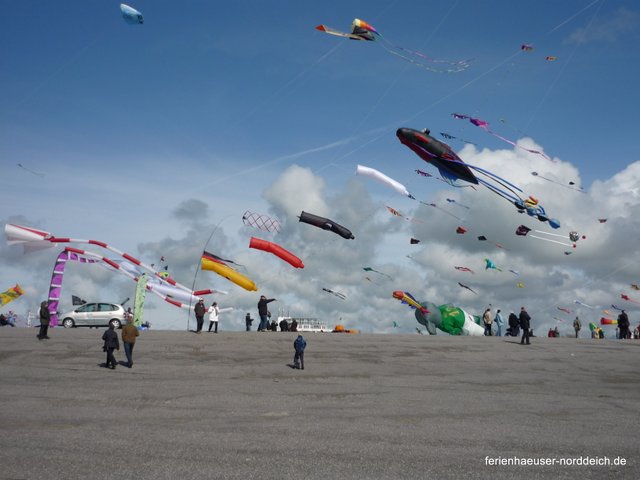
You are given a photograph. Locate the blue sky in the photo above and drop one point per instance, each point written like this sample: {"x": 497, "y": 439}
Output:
{"x": 217, "y": 101}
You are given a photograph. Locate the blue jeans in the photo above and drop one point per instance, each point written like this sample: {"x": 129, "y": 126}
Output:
{"x": 264, "y": 321}
{"x": 128, "y": 350}
{"x": 499, "y": 333}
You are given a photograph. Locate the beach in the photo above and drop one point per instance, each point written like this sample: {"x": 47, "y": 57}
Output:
{"x": 367, "y": 406}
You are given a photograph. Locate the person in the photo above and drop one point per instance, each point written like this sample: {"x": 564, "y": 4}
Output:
{"x": 514, "y": 325}
{"x": 284, "y": 326}
{"x": 488, "y": 322}
{"x": 45, "y": 318}
{"x": 213, "y": 311}
{"x": 128, "y": 314}
{"x": 3, "y": 320}
{"x": 577, "y": 326}
{"x": 550, "y": 333}
{"x": 29, "y": 318}
{"x": 623, "y": 323}
{"x": 525, "y": 324}
{"x": 294, "y": 326}
{"x": 263, "y": 312}
{"x": 274, "y": 326}
{"x": 129, "y": 334}
{"x": 556, "y": 332}
{"x": 499, "y": 321}
{"x": 111, "y": 343}
{"x": 298, "y": 359}
{"x": 199, "y": 310}
{"x": 248, "y": 321}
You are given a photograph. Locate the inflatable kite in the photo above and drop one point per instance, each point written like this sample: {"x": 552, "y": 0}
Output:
{"x": 452, "y": 168}
{"x": 608, "y": 321}
{"x": 212, "y": 262}
{"x": 361, "y": 30}
{"x": 448, "y": 318}
{"x": 10, "y": 294}
{"x": 277, "y": 250}
{"x": 326, "y": 224}
{"x": 260, "y": 221}
{"x": 384, "y": 179}
{"x": 131, "y": 15}
{"x": 408, "y": 299}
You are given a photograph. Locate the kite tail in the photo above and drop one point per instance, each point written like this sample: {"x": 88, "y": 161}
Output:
{"x": 391, "y": 48}
{"x": 549, "y": 240}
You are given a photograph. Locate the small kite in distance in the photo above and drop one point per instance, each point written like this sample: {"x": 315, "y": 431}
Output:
{"x": 413, "y": 241}
{"x": 131, "y": 15}
{"x": 369, "y": 269}
{"x": 465, "y": 269}
{"x": 602, "y": 220}
{"x": 31, "y": 171}
{"x": 635, "y": 286}
{"x": 490, "y": 265}
{"x": 333, "y": 292}
{"x": 626, "y": 297}
{"x": 467, "y": 287}
{"x": 565, "y": 310}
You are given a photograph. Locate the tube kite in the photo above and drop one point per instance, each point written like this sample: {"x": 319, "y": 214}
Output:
{"x": 384, "y": 179}
{"x": 131, "y": 15}
{"x": 277, "y": 250}
{"x": 325, "y": 224}
{"x": 213, "y": 263}
{"x": 260, "y": 221}
{"x": 408, "y": 299}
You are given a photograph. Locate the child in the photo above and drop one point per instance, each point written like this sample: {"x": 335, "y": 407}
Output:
{"x": 299, "y": 346}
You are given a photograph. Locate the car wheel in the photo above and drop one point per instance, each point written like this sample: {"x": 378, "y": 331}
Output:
{"x": 115, "y": 322}
{"x": 68, "y": 323}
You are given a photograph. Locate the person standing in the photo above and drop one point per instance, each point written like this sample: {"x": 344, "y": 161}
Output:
{"x": 577, "y": 326}
{"x": 45, "y": 318}
{"x": 499, "y": 321}
{"x": 111, "y": 343}
{"x": 213, "y": 311}
{"x": 525, "y": 324}
{"x": 623, "y": 323}
{"x": 199, "y": 310}
{"x": 514, "y": 329}
{"x": 299, "y": 345}
{"x": 129, "y": 334}
{"x": 263, "y": 312}
{"x": 488, "y": 322}
{"x": 248, "y": 321}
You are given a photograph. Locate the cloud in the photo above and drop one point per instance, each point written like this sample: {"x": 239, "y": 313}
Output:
{"x": 622, "y": 22}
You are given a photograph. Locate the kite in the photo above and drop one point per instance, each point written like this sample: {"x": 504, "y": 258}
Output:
{"x": 452, "y": 168}
{"x": 424, "y": 174}
{"x": 384, "y": 179}
{"x": 419, "y": 331}
{"x": 568, "y": 253}
{"x": 465, "y": 269}
{"x": 608, "y": 321}
{"x": 30, "y": 171}
{"x": 523, "y": 231}
{"x": 369, "y": 269}
{"x": 326, "y": 224}
{"x": 515, "y": 272}
{"x": 413, "y": 241}
{"x": 131, "y": 15}
{"x": 485, "y": 126}
{"x": 617, "y": 308}
{"x": 467, "y": 287}
{"x": 451, "y": 200}
{"x": 489, "y": 264}
{"x": 397, "y": 213}
{"x": 626, "y": 297}
{"x": 570, "y": 186}
{"x": 433, "y": 205}
{"x": 520, "y": 285}
{"x": 482, "y": 238}
{"x": 551, "y": 58}
{"x": 277, "y": 250}
{"x": 565, "y": 310}
{"x": 449, "y": 319}
{"x": 584, "y": 304}
{"x": 602, "y": 220}
{"x": 607, "y": 312}
{"x": 408, "y": 299}
{"x": 451, "y": 137}
{"x": 11, "y": 294}
{"x": 635, "y": 287}
{"x": 527, "y": 47}
{"x": 461, "y": 230}
{"x": 395, "y": 325}
{"x": 337, "y": 294}
{"x": 361, "y": 30}
{"x": 260, "y": 221}
{"x": 211, "y": 262}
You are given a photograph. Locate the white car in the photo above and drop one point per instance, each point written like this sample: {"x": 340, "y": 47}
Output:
{"x": 94, "y": 315}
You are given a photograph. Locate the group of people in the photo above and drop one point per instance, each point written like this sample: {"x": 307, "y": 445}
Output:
{"x": 111, "y": 342}
{"x": 516, "y": 323}
{"x": 214, "y": 315}
{"x": 9, "y": 319}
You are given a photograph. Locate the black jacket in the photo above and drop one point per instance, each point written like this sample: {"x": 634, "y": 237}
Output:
{"x": 513, "y": 320}
{"x": 110, "y": 338}
{"x": 525, "y": 320}
{"x": 199, "y": 309}
{"x": 262, "y": 305}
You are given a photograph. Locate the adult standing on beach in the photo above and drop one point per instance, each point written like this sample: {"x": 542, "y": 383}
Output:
{"x": 199, "y": 310}
{"x": 248, "y": 321}
{"x": 298, "y": 358}
{"x": 514, "y": 329}
{"x": 111, "y": 343}
{"x": 525, "y": 324}
{"x": 499, "y": 321}
{"x": 129, "y": 334}
{"x": 623, "y": 323}
{"x": 488, "y": 322}
{"x": 213, "y": 311}
{"x": 263, "y": 312}
{"x": 45, "y": 318}
{"x": 577, "y": 326}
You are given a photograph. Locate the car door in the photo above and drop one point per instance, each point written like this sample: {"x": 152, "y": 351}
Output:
{"x": 81, "y": 314}
{"x": 104, "y": 314}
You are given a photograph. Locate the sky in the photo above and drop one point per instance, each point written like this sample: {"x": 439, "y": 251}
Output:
{"x": 156, "y": 138}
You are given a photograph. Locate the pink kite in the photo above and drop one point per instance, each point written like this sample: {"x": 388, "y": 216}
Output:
{"x": 464, "y": 269}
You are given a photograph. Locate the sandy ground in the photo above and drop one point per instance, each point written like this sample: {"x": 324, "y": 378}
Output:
{"x": 366, "y": 406}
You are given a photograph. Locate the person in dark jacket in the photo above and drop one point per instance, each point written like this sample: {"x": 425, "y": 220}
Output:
{"x": 623, "y": 323}
{"x": 45, "y": 318}
{"x": 513, "y": 325}
{"x": 525, "y": 324}
{"x": 248, "y": 321}
{"x": 111, "y": 343}
{"x": 299, "y": 345}
{"x": 263, "y": 312}
{"x": 199, "y": 310}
